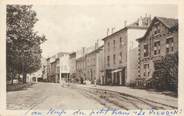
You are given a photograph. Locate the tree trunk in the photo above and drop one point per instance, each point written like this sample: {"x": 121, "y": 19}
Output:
{"x": 24, "y": 77}
{"x": 12, "y": 79}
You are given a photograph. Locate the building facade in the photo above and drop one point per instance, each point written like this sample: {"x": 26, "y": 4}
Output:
{"x": 100, "y": 65}
{"x": 160, "y": 39}
{"x": 120, "y": 53}
{"x": 72, "y": 64}
{"x": 81, "y": 65}
{"x": 54, "y": 67}
{"x": 64, "y": 68}
{"x": 91, "y": 66}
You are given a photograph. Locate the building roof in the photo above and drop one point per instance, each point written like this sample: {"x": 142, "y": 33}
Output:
{"x": 168, "y": 22}
{"x": 96, "y": 50}
{"x": 72, "y": 55}
{"x": 123, "y": 29}
{"x": 135, "y": 25}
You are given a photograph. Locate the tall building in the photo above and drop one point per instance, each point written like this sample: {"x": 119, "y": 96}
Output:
{"x": 160, "y": 39}
{"x": 72, "y": 64}
{"x": 93, "y": 64}
{"x": 88, "y": 65}
{"x": 100, "y": 65}
{"x": 81, "y": 65}
{"x": 120, "y": 53}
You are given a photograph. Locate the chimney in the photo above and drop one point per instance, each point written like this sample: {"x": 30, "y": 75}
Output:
{"x": 83, "y": 50}
{"x": 125, "y": 23}
{"x": 107, "y": 31}
{"x": 137, "y": 22}
{"x": 112, "y": 30}
{"x": 140, "y": 21}
{"x": 146, "y": 15}
{"x": 96, "y": 44}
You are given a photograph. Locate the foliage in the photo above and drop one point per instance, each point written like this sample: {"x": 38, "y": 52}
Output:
{"x": 23, "y": 43}
{"x": 166, "y": 72}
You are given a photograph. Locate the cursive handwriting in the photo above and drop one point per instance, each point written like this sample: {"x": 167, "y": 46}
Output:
{"x": 106, "y": 112}
{"x": 55, "y": 112}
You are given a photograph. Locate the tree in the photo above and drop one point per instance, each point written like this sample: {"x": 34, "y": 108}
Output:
{"x": 166, "y": 71}
{"x": 23, "y": 43}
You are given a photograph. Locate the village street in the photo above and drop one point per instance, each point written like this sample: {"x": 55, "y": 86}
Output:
{"x": 52, "y": 95}
{"x": 46, "y": 95}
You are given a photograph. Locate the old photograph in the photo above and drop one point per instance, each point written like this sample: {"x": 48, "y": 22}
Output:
{"x": 92, "y": 56}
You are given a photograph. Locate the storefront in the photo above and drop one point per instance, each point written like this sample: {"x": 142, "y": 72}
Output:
{"x": 115, "y": 77}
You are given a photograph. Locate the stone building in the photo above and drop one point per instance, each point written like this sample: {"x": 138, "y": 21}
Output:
{"x": 72, "y": 64}
{"x": 100, "y": 79}
{"x": 53, "y": 67}
{"x": 160, "y": 39}
{"x": 64, "y": 67}
{"x": 93, "y": 65}
{"x": 120, "y": 53}
{"x": 81, "y": 65}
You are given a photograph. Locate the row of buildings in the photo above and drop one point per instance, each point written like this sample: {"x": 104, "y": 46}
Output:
{"x": 120, "y": 58}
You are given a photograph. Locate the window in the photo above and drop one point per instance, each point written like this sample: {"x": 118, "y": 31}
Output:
{"x": 146, "y": 70}
{"x": 169, "y": 45}
{"x": 120, "y": 41}
{"x": 120, "y": 57}
{"x": 114, "y": 42}
{"x": 156, "y": 47}
{"x": 108, "y": 45}
{"x": 145, "y": 50}
{"x": 108, "y": 60}
{"x": 114, "y": 59}
{"x": 157, "y": 28}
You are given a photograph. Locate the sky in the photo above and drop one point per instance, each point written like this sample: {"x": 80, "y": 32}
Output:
{"x": 70, "y": 27}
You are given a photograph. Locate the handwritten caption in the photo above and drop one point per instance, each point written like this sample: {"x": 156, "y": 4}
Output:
{"x": 106, "y": 112}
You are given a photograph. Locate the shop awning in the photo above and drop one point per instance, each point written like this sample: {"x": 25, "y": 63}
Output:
{"x": 117, "y": 70}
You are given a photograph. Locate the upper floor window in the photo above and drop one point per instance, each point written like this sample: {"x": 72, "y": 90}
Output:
{"x": 156, "y": 47}
{"x": 145, "y": 50}
{"x": 108, "y": 45}
{"x": 120, "y": 41}
{"x": 146, "y": 70}
{"x": 120, "y": 57}
{"x": 114, "y": 43}
{"x": 157, "y": 28}
{"x": 114, "y": 59}
{"x": 169, "y": 45}
{"x": 108, "y": 60}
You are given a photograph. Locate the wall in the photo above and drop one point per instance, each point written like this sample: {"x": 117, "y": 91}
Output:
{"x": 150, "y": 39}
{"x": 132, "y": 54}
{"x": 119, "y": 47}
{"x": 91, "y": 66}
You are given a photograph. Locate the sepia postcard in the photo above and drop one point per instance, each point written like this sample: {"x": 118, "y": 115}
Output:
{"x": 91, "y": 58}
